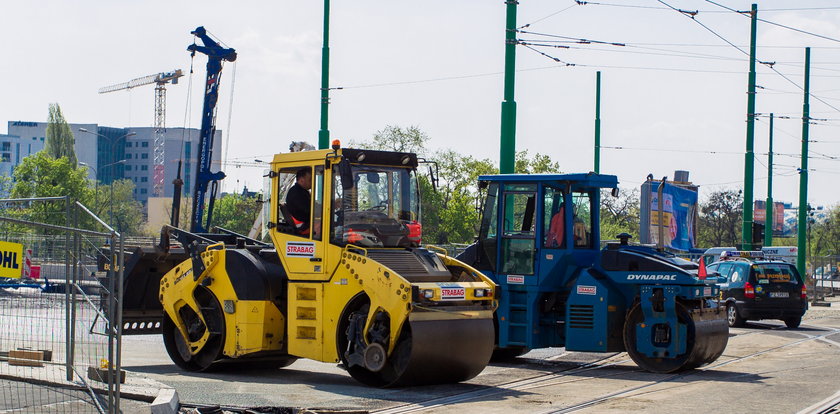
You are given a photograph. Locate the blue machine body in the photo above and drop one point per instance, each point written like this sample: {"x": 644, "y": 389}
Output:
{"x": 539, "y": 240}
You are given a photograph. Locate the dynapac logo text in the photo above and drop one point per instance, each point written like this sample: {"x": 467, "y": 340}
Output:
{"x": 651, "y": 277}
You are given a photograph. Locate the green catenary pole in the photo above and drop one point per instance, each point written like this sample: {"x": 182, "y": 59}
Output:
{"x": 768, "y": 208}
{"x": 803, "y": 171}
{"x": 507, "y": 147}
{"x": 749, "y": 156}
{"x": 324, "y": 132}
{"x": 598, "y": 122}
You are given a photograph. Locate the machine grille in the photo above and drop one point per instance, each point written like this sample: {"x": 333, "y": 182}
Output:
{"x": 581, "y": 316}
{"x": 409, "y": 265}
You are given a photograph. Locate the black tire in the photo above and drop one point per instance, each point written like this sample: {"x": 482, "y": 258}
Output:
{"x": 734, "y": 317}
{"x": 508, "y": 354}
{"x": 793, "y": 323}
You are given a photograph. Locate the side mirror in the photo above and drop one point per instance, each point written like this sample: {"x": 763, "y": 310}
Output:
{"x": 346, "y": 173}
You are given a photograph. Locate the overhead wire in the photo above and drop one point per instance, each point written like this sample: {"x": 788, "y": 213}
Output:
{"x": 778, "y": 24}
{"x": 546, "y": 17}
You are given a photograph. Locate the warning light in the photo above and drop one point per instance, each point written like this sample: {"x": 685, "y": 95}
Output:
{"x": 336, "y": 144}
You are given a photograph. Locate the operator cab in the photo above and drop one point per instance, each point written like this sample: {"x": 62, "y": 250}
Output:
{"x": 543, "y": 219}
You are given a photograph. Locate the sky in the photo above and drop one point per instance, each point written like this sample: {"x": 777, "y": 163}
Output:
{"x": 674, "y": 96}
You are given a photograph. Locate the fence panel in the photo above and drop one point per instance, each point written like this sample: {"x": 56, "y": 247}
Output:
{"x": 58, "y": 350}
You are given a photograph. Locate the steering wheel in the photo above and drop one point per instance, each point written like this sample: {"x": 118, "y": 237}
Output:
{"x": 379, "y": 207}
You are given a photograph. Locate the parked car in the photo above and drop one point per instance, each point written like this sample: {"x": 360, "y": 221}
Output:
{"x": 754, "y": 288}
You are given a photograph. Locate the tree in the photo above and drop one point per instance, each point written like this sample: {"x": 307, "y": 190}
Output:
{"x": 115, "y": 204}
{"x": 451, "y": 207}
{"x": 395, "y": 138}
{"x": 540, "y": 164}
{"x": 60, "y": 141}
{"x": 236, "y": 212}
{"x": 720, "y": 219}
{"x": 620, "y": 214}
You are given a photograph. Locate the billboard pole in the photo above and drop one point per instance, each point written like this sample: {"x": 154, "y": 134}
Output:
{"x": 749, "y": 156}
{"x": 803, "y": 172}
{"x": 768, "y": 208}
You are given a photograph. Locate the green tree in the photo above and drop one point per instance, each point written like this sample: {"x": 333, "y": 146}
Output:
{"x": 620, "y": 214}
{"x": 115, "y": 204}
{"x": 236, "y": 212}
{"x": 539, "y": 164}
{"x": 60, "y": 141}
{"x": 720, "y": 219}
{"x": 395, "y": 138}
{"x": 40, "y": 175}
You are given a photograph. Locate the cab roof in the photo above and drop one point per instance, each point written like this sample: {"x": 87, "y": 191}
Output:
{"x": 580, "y": 180}
{"x": 356, "y": 156}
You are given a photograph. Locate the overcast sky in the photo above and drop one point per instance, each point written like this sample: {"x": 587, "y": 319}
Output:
{"x": 674, "y": 97}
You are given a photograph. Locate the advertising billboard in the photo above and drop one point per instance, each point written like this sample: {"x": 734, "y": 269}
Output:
{"x": 778, "y": 215}
{"x": 678, "y": 218}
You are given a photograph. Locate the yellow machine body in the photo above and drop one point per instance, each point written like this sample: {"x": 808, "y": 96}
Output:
{"x": 372, "y": 306}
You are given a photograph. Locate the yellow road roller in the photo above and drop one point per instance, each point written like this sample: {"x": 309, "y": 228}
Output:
{"x": 344, "y": 280}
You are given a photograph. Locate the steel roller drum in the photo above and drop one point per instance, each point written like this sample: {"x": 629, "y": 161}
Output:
{"x": 707, "y": 336}
{"x": 435, "y": 351}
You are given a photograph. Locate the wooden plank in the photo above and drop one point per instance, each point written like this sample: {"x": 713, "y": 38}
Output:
{"x": 26, "y": 358}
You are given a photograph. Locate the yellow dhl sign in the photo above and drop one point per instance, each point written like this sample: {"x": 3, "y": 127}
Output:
{"x": 11, "y": 259}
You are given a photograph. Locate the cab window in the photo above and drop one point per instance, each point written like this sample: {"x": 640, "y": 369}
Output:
{"x": 582, "y": 220}
{"x": 518, "y": 242}
{"x": 554, "y": 219}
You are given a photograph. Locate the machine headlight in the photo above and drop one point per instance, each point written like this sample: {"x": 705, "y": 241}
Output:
{"x": 428, "y": 293}
{"x": 483, "y": 293}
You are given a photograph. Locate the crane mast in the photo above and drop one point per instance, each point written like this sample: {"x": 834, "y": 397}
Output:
{"x": 216, "y": 54}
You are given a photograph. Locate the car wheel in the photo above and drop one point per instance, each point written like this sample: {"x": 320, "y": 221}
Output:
{"x": 793, "y": 323}
{"x": 733, "y": 317}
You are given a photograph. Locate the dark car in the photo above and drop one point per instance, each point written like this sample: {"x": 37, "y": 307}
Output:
{"x": 755, "y": 288}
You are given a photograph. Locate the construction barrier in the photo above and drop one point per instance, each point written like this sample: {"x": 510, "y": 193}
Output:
{"x": 55, "y": 331}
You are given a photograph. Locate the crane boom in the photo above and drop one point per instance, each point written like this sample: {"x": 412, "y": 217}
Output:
{"x": 159, "y": 78}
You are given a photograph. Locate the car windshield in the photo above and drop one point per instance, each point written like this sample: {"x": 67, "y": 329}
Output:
{"x": 773, "y": 273}
{"x": 382, "y": 209}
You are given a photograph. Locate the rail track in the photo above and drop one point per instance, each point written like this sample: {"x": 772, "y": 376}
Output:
{"x": 600, "y": 369}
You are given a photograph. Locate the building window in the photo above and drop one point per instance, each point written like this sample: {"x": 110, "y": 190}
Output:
{"x": 42, "y": 139}
{"x": 128, "y": 168}
{"x": 144, "y": 179}
{"x": 128, "y": 145}
{"x": 143, "y": 191}
{"x": 145, "y": 156}
{"x": 34, "y": 138}
{"x": 7, "y": 146}
{"x": 144, "y": 168}
{"x": 6, "y": 157}
{"x": 144, "y": 144}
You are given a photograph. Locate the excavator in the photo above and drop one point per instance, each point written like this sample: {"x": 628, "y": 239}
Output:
{"x": 353, "y": 286}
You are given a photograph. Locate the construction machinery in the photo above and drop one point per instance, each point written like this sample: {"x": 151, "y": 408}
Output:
{"x": 349, "y": 283}
{"x": 354, "y": 288}
{"x": 539, "y": 240}
{"x": 160, "y": 80}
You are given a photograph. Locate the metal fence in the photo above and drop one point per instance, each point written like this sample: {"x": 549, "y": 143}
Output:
{"x": 825, "y": 276}
{"x": 59, "y": 351}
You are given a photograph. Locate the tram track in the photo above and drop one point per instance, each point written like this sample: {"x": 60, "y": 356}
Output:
{"x": 633, "y": 390}
{"x": 566, "y": 376}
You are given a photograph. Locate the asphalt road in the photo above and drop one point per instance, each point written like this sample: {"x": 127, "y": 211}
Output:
{"x": 765, "y": 368}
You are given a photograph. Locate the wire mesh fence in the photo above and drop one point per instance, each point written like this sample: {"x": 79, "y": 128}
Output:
{"x": 59, "y": 352}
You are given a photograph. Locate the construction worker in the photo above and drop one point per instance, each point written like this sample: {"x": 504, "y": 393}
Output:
{"x": 298, "y": 201}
